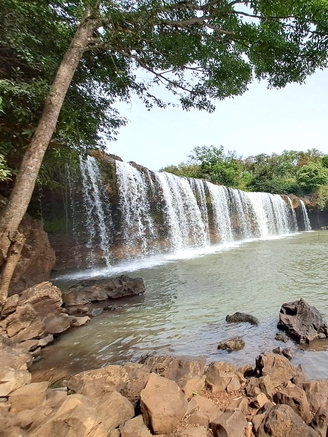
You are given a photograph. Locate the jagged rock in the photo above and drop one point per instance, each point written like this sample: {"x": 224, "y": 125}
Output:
{"x": 231, "y": 423}
{"x": 320, "y": 420}
{"x": 288, "y": 352}
{"x": 316, "y": 393}
{"x": 233, "y": 344}
{"x": 162, "y": 404}
{"x": 282, "y": 336}
{"x": 242, "y": 318}
{"x": 75, "y": 417}
{"x": 135, "y": 428}
{"x": 202, "y": 407}
{"x": 28, "y": 396}
{"x": 188, "y": 373}
{"x": 97, "y": 290}
{"x": 13, "y": 367}
{"x": 119, "y": 407}
{"x": 282, "y": 421}
{"x": 302, "y": 322}
{"x": 220, "y": 375}
{"x": 95, "y": 383}
{"x": 295, "y": 397}
{"x": 37, "y": 258}
{"x": 277, "y": 367}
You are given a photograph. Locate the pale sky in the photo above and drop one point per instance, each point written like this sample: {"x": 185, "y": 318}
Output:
{"x": 259, "y": 121}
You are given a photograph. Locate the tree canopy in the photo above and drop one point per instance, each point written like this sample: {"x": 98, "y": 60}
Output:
{"x": 199, "y": 50}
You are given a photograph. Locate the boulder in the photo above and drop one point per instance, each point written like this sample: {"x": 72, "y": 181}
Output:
{"x": 302, "y": 322}
{"x": 162, "y": 404}
{"x": 200, "y": 431}
{"x": 97, "y": 290}
{"x": 135, "y": 428}
{"x": 29, "y": 396}
{"x": 320, "y": 420}
{"x": 282, "y": 421}
{"x": 316, "y": 393}
{"x": 296, "y": 398}
{"x": 277, "y": 367}
{"x": 231, "y": 423}
{"x": 187, "y": 372}
{"x": 242, "y": 318}
{"x": 200, "y": 407}
{"x": 37, "y": 258}
{"x": 221, "y": 375}
{"x": 13, "y": 367}
{"x": 96, "y": 383}
{"x": 233, "y": 344}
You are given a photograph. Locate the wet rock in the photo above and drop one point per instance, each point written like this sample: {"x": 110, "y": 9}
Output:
{"x": 302, "y": 322}
{"x": 231, "y": 423}
{"x": 242, "y": 318}
{"x": 97, "y": 290}
{"x": 288, "y": 353}
{"x": 282, "y": 336}
{"x": 233, "y": 344}
{"x": 162, "y": 404}
{"x": 277, "y": 350}
{"x": 282, "y": 421}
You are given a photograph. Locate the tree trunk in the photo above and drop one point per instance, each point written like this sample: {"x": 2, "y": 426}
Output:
{"x": 31, "y": 163}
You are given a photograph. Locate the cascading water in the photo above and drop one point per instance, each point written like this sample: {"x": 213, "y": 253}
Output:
{"x": 307, "y": 225}
{"x": 98, "y": 212}
{"x": 156, "y": 212}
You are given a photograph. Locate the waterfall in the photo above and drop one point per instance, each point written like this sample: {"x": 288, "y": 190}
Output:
{"x": 294, "y": 218}
{"x": 98, "y": 212}
{"x": 144, "y": 213}
{"x": 306, "y": 220}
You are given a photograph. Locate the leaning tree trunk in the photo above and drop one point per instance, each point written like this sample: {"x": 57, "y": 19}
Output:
{"x": 31, "y": 163}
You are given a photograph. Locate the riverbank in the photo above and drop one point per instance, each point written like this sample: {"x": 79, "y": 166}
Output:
{"x": 172, "y": 396}
{"x": 161, "y": 395}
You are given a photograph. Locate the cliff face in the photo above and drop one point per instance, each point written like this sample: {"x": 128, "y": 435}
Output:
{"x": 37, "y": 258}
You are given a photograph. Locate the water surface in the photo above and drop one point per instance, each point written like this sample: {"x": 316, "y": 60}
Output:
{"x": 186, "y": 301}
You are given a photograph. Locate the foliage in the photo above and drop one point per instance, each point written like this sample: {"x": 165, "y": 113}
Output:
{"x": 4, "y": 170}
{"x": 311, "y": 176}
{"x": 322, "y": 197}
{"x": 297, "y": 172}
{"x": 199, "y": 50}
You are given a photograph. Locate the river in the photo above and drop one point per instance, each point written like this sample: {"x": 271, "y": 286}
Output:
{"x": 188, "y": 297}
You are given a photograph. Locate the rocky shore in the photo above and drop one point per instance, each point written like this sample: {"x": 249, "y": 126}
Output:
{"x": 165, "y": 396}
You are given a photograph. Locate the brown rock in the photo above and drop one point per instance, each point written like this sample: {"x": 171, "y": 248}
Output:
{"x": 29, "y": 396}
{"x": 316, "y": 393}
{"x": 295, "y": 397}
{"x": 231, "y": 423}
{"x": 282, "y": 421}
{"x": 205, "y": 407}
{"x": 277, "y": 367}
{"x": 95, "y": 383}
{"x": 219, "y": 375}
{"x": 162, "y": 404}
{"x": 93, "y": 290}
{"x": 320, "y": 420}
{"x": 200, "y": 431}
{"x": 114, "y": 410}
{"x": 301, "y": 321}
{"x": 135, "y": 428}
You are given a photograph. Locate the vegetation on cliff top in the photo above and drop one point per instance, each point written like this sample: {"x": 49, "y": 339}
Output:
{"x": 300, "y": 173}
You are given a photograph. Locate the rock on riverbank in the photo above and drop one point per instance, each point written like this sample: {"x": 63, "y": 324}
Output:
{"x": 171, "y": 396}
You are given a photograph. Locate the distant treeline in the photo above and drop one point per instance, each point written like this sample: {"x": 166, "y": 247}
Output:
{"x": 299, "y": 173}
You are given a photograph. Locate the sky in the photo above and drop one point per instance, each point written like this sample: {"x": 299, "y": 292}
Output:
{"x": 259, "y": 121}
